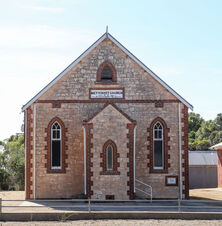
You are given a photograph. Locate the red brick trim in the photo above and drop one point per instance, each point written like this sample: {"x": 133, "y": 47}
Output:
{"x": 105, "y": 99}
{"x": 130, "y": 164}
{"x": 111, "y": 67}
{"x": 115, "y": 159}
{"x": 89, "y": 155}
{"x": 137, "y": 101}
{"x": 166, "y": 146}
{"x": 48, "y": 147}
{"x": 29, "y": 130}
{"x": 219, "y": 168}
{"x": 185, "y": 156}
{"x": 113, "y": 105}
{"x": 166, "y": 180}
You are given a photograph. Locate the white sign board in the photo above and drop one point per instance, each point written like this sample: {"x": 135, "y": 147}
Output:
{"x": 171, "y": 180}
{"x": 112, "y": 93}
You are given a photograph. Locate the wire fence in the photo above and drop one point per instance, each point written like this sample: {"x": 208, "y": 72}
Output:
{"x": 92, "y": 205}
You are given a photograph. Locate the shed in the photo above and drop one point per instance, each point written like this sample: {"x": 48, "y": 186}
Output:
{"x": 203, "y": 169}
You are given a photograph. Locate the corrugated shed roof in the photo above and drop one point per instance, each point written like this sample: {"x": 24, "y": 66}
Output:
{"x": 207, "y": 158}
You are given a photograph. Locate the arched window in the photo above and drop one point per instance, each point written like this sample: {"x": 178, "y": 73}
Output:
{"x": 106, "y": 73}
{"x": 109, "y": 157}
{"x": 158, "y": 146}
{"x": 56, "y": 146}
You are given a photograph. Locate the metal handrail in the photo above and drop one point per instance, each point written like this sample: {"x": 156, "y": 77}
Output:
{"x": 90, "y": 204}
{"x": 147, "y": 185}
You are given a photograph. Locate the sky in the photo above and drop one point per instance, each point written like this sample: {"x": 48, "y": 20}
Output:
{"x": 179, "y": 40}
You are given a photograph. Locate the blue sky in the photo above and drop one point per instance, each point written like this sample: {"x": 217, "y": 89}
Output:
{"x": 179, "y": 40}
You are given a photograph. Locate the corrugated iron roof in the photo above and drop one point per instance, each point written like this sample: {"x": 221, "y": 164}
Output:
{"x": 207, "y": 158}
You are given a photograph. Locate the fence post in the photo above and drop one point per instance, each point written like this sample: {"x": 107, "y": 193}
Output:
{"x": 89, "y": 207}
{"x": 179, "y": 209}
{"x": 0, "y": 205}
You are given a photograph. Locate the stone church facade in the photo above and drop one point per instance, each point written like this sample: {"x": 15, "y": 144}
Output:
{"x": 103, "y": 126}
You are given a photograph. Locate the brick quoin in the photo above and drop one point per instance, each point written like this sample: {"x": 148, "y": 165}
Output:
{"x": 130, "y": 164}
{"x": 29, "y": 156}
{"x": 89, "y": 155}
{"x": 185, "y": 156}
{"x": 219, "y": 168}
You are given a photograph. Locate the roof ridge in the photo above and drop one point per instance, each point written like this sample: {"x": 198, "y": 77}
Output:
{"x": 126, "y": 51}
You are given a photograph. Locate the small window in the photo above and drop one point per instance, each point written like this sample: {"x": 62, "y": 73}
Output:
{"x": 56, "y": 146}
{"x": 109, "y": 157}
{"x": 106, "y": 74}
{"x": 158, "y": 155}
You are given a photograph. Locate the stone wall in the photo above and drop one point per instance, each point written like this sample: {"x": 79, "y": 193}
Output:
{"x": 105, "y": 126}
{"x": 69, "y": 100}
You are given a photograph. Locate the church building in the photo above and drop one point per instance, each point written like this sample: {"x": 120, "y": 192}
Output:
{"x": 107, "y": 127}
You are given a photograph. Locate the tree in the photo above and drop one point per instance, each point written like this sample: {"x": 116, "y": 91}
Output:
{"x": 218, "y": 122}
{"x": 12, "y": 164}
{"x": 194, "y": 121}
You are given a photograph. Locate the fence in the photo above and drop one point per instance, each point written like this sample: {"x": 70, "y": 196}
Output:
{"x": 90, "y": 205}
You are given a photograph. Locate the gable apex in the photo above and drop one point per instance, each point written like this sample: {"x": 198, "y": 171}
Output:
{"x": 116, "y": 108}
{"x": 106, "y": 35}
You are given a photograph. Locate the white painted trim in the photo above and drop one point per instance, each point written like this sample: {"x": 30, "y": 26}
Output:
{"x": 107, "y": 35}
{"x": 180, "y": 155}
{"x": 84, "y": 136}
{"x": 150, "y": 72}
{"x": 65, "y": 71}
{"x": 34, "y": 144}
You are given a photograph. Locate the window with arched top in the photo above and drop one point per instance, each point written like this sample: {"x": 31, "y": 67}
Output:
{"x": 106, "y": 73}
{"x": 158, "y": 147}
{"x": 109, "y": 157}
{"x": 56, "y": 147}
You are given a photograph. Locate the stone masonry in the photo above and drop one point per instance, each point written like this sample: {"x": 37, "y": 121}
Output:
{"x": 68, "y": 99}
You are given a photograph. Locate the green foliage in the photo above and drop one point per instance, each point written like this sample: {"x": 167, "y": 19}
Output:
{"x": 203, "y": 134}
{"x": 194, "y": 121}
{"x": 12, "y": 164}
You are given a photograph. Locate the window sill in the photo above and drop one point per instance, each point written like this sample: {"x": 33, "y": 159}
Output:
{"x": 158, "y": 171}
{"x": 106, "y": 83}
{"x": 110, "y": 172}
{"x": 56, "y": 171}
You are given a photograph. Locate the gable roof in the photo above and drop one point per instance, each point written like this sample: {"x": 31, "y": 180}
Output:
{"x": 116, "y": 108}
{"x": 126, "y": 51}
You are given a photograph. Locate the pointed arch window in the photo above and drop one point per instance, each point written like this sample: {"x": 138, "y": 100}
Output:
{"x": 109, "y": 157}
{"x": 106, "y": 73}
{"x": 158, "y": 147}
{"x": 56, "y": 146}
